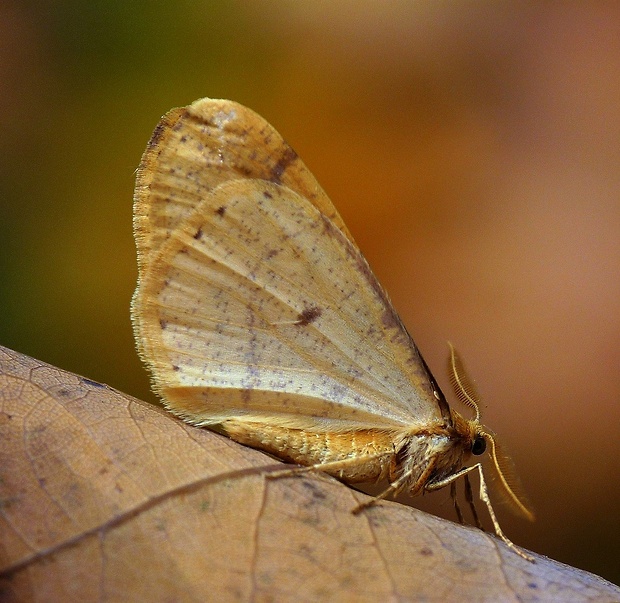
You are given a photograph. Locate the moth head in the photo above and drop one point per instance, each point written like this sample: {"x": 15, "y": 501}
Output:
{"x": 483, "y": 439}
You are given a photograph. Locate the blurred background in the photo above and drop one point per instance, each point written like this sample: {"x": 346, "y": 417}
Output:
{"x": 473, "y": 149}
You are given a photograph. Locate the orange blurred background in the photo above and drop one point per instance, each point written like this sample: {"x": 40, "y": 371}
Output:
{"x": 473, "y": 149}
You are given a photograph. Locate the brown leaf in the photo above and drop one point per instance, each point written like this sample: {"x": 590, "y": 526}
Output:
{"x": 107, "y": 498}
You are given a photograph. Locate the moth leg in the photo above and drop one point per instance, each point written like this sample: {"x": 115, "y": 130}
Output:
{"x": 397, "y": 486}
{"x": 484, "y": 497}
{"x": 469, "y": 497}
{"x": 457, "y": 508}
{"x": 392, "y": 489}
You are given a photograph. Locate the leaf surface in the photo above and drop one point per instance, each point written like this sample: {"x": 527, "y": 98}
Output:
{"x": 107, "y": 498}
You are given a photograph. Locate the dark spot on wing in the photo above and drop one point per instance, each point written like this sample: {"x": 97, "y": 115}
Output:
{"x": 390, "y": 320}
{"x": 288, "y": 156}
{"x": 175, "y": 367}
{"x": 220, "y": 211}
{"x": 267, "y": 195}
{"x": 310, "y": 314}
{"x": 163, "y": 323}
{"x": 198, "y": 234}
{"x": 181, "y": 118}
{"x": 157, "y": 134}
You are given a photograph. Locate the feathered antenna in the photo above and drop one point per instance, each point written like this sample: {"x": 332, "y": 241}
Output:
{"x": 461, "y": 383}
{"x": 505, "y": 475}
{"x": 503, "y": 469}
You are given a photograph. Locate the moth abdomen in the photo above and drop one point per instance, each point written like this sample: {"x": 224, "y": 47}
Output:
{"x": 354, "y": 456}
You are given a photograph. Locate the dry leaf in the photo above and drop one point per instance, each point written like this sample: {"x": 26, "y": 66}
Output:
{"x": 107, "y": 498}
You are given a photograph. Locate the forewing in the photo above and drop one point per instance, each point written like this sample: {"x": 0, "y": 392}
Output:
{"x": 258, "y": 306}
{"x": 196, "y": 148}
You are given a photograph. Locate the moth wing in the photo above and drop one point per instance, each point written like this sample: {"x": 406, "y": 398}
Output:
{"x": 257, "y": 306}
{"x": 196, "y": 148}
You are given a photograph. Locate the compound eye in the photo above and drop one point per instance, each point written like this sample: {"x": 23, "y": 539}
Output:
{"x": 479, "y": 445}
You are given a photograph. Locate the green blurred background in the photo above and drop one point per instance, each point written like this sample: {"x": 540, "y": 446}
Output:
{"x": 473, "y": 149}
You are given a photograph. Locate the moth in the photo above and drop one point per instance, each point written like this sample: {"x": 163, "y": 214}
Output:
{"x": 259, "y": 317}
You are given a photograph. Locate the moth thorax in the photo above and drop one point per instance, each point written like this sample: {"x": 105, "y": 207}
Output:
{"x": 426, "y": 457}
